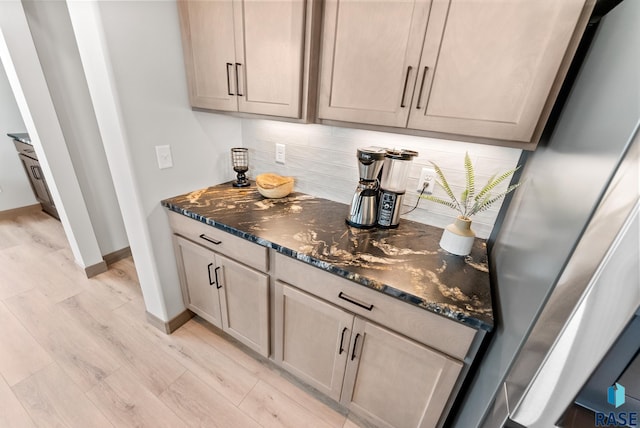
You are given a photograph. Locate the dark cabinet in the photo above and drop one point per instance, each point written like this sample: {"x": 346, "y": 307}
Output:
{"x": 32, "y": 168}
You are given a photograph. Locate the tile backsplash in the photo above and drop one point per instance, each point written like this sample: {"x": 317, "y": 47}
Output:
{"x": 322, "y": 159}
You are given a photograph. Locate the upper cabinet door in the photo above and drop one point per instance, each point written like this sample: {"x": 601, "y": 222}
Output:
{"x": 369, "y": 61}
{"x": 269, "y": 42}
{"x": 496, "y": 64}
{"x": 209, "y": 55}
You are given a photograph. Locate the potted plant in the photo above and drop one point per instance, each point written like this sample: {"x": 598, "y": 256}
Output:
{"x": 458, "y": 237}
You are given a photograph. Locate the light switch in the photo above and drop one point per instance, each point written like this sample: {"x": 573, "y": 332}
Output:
{"x": 163, "y": 153}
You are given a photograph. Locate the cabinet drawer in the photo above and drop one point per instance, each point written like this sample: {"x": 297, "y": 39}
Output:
{"x": 25, "y": 149}
{"x": 433, "y": 330}
{"x": 225, "y": 243}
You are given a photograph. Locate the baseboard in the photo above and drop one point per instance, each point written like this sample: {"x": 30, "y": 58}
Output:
{"x": 16, "y": 212}
{"x": 107, "y": 259}
{"x": 117, "y": 255}
{"x": 95, "y": 269}
{"x": 173, "y": 324}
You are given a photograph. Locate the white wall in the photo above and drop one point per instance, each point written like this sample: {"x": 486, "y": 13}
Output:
{"x": 55, "y": 43}
{"x": 16, "y": 191}
{"x": 132, "y": 56}
{"x": 323, "y": 161}
{"x": 28, "y": 84}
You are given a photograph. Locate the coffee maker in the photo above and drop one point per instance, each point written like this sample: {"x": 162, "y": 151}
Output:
{"x": 364, "y": 205}
{"x": 395, "y": 172}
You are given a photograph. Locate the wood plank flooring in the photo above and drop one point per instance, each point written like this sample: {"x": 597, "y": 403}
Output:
{"x": 78, "y": 352}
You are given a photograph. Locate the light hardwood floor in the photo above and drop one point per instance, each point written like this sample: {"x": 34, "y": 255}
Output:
{"x": 78, "y": 352}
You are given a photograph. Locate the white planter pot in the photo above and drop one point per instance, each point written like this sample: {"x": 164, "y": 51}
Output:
{"x": 458, "y": 237}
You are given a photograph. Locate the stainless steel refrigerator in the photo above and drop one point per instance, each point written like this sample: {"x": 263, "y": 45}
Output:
{"x": 564, "y": 260}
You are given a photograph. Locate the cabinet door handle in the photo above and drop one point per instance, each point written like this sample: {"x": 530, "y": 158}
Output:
{"x": 424, "y": 74}
{"x": 355, "y": 345}
{"x": 349, "y": 299}
{"x": 33, "y": 172}
{"x": 404, "y": 90}
{"x": 209, "y": 272}
{"x": 37, "y": 172}
{"x": 208, "y": 239}
{"x": 229, "y": 79}
{"x": 344, "y": 330}
{"x": 215, "y": 272}
{"x": 237, "y": 79}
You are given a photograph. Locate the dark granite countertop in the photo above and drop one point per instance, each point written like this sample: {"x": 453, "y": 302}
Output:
{"x": 23, "y": 137}
{"x": 406, "y": 263}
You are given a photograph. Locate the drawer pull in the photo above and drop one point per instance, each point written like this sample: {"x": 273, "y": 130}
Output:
{"x": 355, "y": 345}
{"x": 354, "y": 301}
{"x": 215, "y": 271}
{"x": 213, "y": 241}
{"x": 344, "y": 330}
{"x": 209, "y": 272}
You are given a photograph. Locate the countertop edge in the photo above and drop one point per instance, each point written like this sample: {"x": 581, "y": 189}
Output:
{"x": 328, "y": 267}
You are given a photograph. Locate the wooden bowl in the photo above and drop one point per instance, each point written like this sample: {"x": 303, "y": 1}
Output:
{"x": 274, "y": 186}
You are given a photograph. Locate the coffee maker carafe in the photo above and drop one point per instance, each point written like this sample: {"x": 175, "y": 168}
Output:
{"x": 364, "y": 205}
{"x": 393, "y": 185}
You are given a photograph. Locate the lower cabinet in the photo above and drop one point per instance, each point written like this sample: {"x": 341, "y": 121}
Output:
{"x": 395, "y": 381}
{"x": 31, "y": 165}
{"x": 389, "y": 379}
{"x": 391, "y": 363}
{"x": 228, "y": 294}
{"x": 316, "y": 338}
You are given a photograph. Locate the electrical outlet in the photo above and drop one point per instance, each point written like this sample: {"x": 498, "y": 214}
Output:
{"x": 163, "y": 155}
{"x": 280, "y": 153}
{"x": 427, "y": 181}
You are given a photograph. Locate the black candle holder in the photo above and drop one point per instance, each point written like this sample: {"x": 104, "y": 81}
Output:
{"x": 240, "y": 162}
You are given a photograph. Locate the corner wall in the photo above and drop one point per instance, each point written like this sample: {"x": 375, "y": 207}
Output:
{"x": 53, "y": 37}
{"x": 132, "y": 56}
{"x": 28, "y": 84}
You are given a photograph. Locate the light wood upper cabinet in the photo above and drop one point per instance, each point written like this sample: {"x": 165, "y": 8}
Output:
{"x": 245, "y": 56}
{"x": 494, "y": 67}
{"x": 270, "y": 49}
{"x": 483, "y": 69}
{"x": 370, "y": 55}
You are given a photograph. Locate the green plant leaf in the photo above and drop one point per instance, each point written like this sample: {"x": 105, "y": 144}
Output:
{"x": 440, "y": 201}
{"x": 488, "y": 200}
{"x": 492, "y": 183}
{"x": 464, "y": 200}
{"x": 470, "y": 190}
{"x": 445, "y": 185}
{"x": 471, "y": 203}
